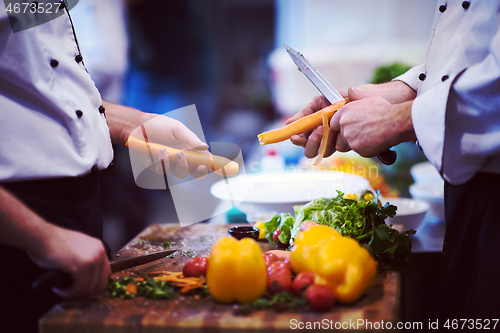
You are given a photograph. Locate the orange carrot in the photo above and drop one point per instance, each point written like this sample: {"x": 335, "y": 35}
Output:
{"x": 301, "y": 125}
{"x": 131, "y": 288}
{"x": 217, "y": 164}
{"x": 324, "y": 141}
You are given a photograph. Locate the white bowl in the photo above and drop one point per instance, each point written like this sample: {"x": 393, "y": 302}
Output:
{"x": 425, "y": 172}
{"x": 410, "y": 212}
{"x": 261, "y": 193}
{"x": 433, "y": 194}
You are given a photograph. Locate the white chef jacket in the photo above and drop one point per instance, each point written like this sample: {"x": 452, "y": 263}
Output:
{"x": 456, "y": 114}
{"x": 52, "y": 122}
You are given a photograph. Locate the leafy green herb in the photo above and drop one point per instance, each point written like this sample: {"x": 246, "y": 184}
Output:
{"x": 166, "y": 244}
{"x": 283, "y": 221}
{"x": 359, "y": 219}
{"x": 389, "y": 246}
{"x": 189, "y": 254}
{"x": 204, "y": 291}
{"x": 280, "y": 301}
{"x": 149, "y": 288}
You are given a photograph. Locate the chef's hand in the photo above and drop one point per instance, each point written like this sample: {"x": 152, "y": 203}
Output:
{"x": 370, "y": 124}
{"x": 311, "y": 140}
{"x": 394, "y": 92}
{"x": 124, "y": 121}
{"x": 170, "y": 132}
{"x": 81, "y": 256}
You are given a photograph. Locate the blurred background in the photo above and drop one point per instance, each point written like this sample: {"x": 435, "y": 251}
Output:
{"x": 227, "y": 58}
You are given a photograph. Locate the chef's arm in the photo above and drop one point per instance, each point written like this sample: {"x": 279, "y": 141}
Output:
{"x": 52, "y": 247}
{"x": 123, "y": 121}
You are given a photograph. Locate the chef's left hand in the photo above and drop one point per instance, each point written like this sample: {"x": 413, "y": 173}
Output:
{"x": 370, "y": 124}
{"x": 170, "y": 132}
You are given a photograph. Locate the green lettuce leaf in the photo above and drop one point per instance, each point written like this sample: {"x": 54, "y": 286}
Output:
{"x": 285, "y": 222}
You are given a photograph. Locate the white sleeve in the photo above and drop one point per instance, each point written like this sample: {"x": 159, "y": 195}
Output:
{"x": 457, "y": 123}
{"x": 411, "y": 76}
{"x": 472, "y": 133}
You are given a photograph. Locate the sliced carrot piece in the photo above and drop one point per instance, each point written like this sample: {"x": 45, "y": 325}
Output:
{"x": 324, "y": 141}
{"x": 131, "y": 288}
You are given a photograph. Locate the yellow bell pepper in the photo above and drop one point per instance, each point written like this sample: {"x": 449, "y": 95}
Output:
{"x": 236, "y": 271}
{"x": 339, "y": 263}
{"x": 307, "y": 246}
{"x": 262, "y": 229}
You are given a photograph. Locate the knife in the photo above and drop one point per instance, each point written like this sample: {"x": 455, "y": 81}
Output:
{"x": 387, "y": 157}
{"x": 57, "y": 279}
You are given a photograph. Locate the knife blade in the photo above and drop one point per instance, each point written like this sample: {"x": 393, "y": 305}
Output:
{"x": 387, "y": 157}
{"x": 57, "y": 279}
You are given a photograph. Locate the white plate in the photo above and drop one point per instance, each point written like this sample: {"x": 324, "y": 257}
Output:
{"x": 280, "y": 192}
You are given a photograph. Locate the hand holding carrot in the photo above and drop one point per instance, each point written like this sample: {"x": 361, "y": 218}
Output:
{"x": 162, "y": 133}
{"x": 166, "y": 145}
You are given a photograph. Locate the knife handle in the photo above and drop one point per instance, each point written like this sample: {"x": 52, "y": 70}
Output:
{"x": 388, "y": 157}
{"x": 51, "y": 279}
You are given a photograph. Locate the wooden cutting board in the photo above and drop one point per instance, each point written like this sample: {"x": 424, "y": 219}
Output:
{"x": 106, "y": 314}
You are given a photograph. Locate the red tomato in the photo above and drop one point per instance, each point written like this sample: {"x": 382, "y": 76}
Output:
{"x": 276, "y": 233}
{"x": 276, "y": 240}
{"x": 269, "y": 258}
{"x": 195, "y": 267}
{"x": 301, "y": 282}
{"x": 279, "y": 277}
{"x": 320, "y": 298}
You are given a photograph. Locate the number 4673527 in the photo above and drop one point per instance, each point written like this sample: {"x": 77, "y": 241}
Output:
{"x": 33, "y": 7}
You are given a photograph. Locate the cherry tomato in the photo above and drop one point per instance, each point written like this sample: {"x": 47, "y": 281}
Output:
{"x": 320, "y": 298}
{"x": 276, "y": 240}
{"x": 276, "y": 233}
{"x": 270, "y": 258}
{"x": 195, "y": 267}
{"x": 301, "y": 282}
{"x": 279, "y": 277}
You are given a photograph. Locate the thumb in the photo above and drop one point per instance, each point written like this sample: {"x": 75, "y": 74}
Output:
{"x": 355, "y": 94}
{"x": 186, "y": 136}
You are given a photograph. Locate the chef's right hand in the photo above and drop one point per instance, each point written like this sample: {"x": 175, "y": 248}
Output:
{"x": 311, "y": 140}
{"x": 80, "y": 256}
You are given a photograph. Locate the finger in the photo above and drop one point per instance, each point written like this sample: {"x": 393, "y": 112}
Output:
{"x": 335, "y": 121}
{"x": 343, "y": 92}
{"x": 81, "y": 281}
{"x": 104, "y": 274}
{"x": 299, "y": 140}
{"x": 313, "y": 143}
{"x": 341, "y": 144}
{"x": 330, "y": 147}
{"x": 317, "y": 103}
{"x": 162, "y": 166}
{"x": 180, "y": 168}
{"x": 356, "y": 94}
{"x": 184, "y": 134}
{"x": 200, "y": 172}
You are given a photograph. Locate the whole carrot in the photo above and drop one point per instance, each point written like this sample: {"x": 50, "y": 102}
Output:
{"x": 218, "y": 164}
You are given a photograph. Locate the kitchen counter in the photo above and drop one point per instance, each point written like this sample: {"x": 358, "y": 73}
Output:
{"x": 185, "y": 313}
